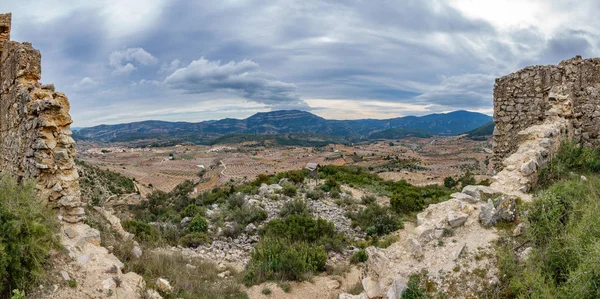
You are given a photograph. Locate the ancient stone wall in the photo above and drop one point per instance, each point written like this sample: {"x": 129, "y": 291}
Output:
{"x": 526, "y": 98}
{"x": 35, "y": 135}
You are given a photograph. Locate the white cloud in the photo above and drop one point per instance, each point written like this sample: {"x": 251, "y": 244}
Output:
{"x": 122, "y": 60}
{"x": 168, "y": 68}
{"x": 86, "y": 82}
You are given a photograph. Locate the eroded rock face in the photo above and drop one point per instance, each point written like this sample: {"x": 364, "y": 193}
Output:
{"x": 35, "y": 129}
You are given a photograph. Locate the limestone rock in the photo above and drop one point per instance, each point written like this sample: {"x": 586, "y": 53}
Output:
{"x": 464, "y": 197}
{"x": 371, "y": 287}
{"x": 414, "y": 246}
{"x": 362, "y": 295}
{"x": 153, "y": 294}
{"x": 456, "y": 219}
{"x": 479, "y": 192}
{"x": 163, "y": 285}
{"x": 377, "y": 260}
{"x": 502, "y": 208}
{"x": 333, "y": 284}
{"x": 398, "y": 286}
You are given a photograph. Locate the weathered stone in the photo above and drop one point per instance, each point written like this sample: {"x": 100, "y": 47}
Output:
{"x": 502, "y": 208}
{"x": 456, "y": 219}
{"x": 414, "y": 246}
{"x": 479, "y": 192}
{"x": 398, "y": 286}
{"x": 377, "y": 260}
{"x": 464, "y": 197}
{"x": 163, "y": 285}
{"x": 362, "y": 295}
{"x": 333, "y": 284}
{"x": 371, "y": 287}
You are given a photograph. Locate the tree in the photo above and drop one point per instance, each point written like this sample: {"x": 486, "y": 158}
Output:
{"x": 450, "y": 182}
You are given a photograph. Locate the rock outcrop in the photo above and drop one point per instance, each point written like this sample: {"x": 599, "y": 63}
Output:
{"x": 36, "y": 144}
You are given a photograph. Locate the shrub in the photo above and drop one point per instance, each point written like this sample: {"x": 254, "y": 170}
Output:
{"x": 305, "y": 229}
{"x": 315, "y": 194}
{"x": 194, "y": 239}
{"x": 467, "y": 179}
{"x": 359, "y": 257}
{"x": 368, "y": 199}
{"x": 289, "y": 190}
{"x": 142, "y": 231}
{"x": 282, "y": 259}
{"x": 192, "y": 211}
{"x": 294, "y": 206}
{"x": 297, "y": 176}
{"x": 199, "y": 282}
{"x": 564, "y": 234}
{"x": 413, "y": 290}
{"x": 28, "y": 233}
{"x": 376, "y": 220}
{"x": 248, "y": 214}
{"x": 450, "y": 182}
{"x": 198, "y": 225}
{"x": 569, "y": 158}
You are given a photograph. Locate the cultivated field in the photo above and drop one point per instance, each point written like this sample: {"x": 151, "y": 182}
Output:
{"x": 420, "y": 161}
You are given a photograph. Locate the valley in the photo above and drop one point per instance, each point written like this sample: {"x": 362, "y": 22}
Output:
{"x": 419, "y": 161}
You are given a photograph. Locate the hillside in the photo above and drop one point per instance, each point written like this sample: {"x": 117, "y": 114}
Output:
{"x": 482, "y": 132}
{"x": 288, "y": 121}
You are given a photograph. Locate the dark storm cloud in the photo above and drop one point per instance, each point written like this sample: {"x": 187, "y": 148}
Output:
{"x": 244, "y": 77}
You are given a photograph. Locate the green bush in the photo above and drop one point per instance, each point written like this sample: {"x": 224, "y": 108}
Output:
{"x": 289, "y": 190}
{"x": 368, "y": 199}
{"x": 315, "y": 194}
{"x": 450, "y": 182}
{"x": 142, "y": 231}
{"x": 294, "y": 206}
{"x": 376, "y": 220}
{"x": 570, "y": 158}
{"x": 359, "y": 257}
{"x": 305, "y": 229}
{"x": 248, "y": 214}
{"x": 564, "y": 233}
{"x": 198, "y": 225}
{"x": 282, "y": 259}
{"x": 413, "y": 290}
{"x": 194, "y": 239}
{"x": 192, "y": 211}
{"x": 28, "y": 233}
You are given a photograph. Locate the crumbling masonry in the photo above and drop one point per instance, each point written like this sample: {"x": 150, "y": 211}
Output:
{"x": 34, "y": 128}
{"x": 535, "y": 110}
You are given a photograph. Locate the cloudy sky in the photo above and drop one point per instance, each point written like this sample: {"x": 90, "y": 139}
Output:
{"x": 129, "y": 60}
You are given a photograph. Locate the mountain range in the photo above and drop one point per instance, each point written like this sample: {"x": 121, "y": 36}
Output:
{"x": 282, "y": 123}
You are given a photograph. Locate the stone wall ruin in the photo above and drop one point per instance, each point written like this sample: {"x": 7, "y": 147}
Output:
{"x": 535, "y": 110}
{"x": 35, "y": 130}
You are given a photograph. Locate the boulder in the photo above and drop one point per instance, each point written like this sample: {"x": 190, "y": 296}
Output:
{"x": 414, "y": 246}
{"x": 163, "y": 285}
{"x": 456, "y": 219}
{"x": 398, "y": 286}
{"x": 153, "y": 294}
{"x": 464, "y": 197}
{"x": 502, "y": 208}
{"x": 185, "y": 221}
{"x": 136, "y": 251}
{"x": 377, "y": 260}
{"x": 371, "y": 287}
{"x": 480, "y": 192}
{"x": 333, "y": 284}
{"x": 250, "y": 228}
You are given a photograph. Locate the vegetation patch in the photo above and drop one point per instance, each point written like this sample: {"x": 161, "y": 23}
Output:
{"x": 28, "y": 234}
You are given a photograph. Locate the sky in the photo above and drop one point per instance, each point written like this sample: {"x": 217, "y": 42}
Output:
{"x": 120, "y": 61}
